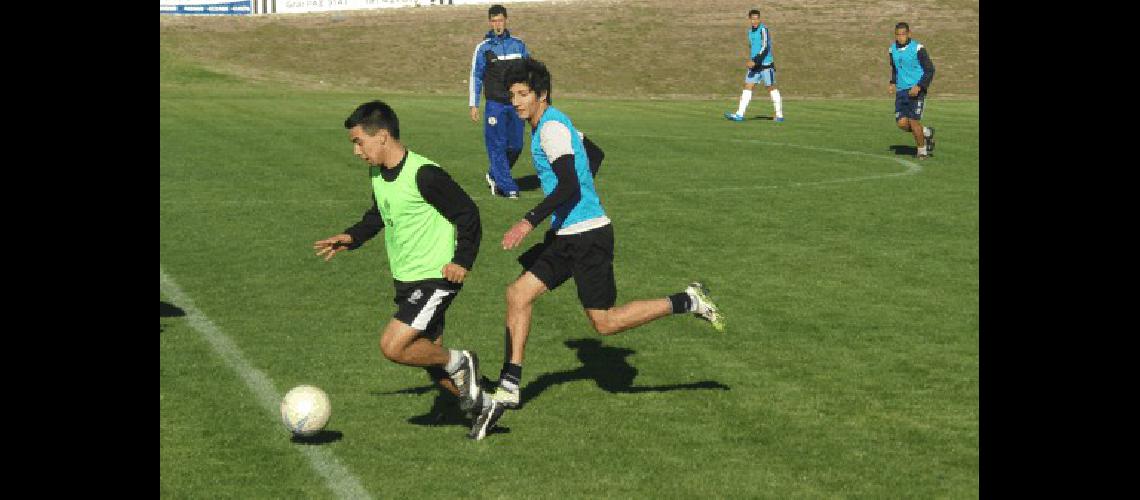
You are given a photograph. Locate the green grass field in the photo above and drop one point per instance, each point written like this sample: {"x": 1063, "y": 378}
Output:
{"x": 849, "y": 275}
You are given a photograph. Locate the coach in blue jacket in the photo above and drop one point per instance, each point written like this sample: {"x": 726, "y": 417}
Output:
{"x": 502, "y": 128}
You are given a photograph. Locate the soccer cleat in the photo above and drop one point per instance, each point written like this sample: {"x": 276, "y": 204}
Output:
{"x": 466, "y": 379}
{"x": 703, "y": 306}
{"x": 514, "y": 195}
{"x": 486, "y": 420}
{"x": 779, "y": 119}
{"x": 930, "y": 141}
{"x": 922, "y": 157}
{"x": 509, "y": 399}
{"x": 734, "y": 117}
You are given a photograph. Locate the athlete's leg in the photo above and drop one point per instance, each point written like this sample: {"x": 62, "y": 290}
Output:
{"x": 520, "y": 304}
{"x": 439, "y": 376}
{"x": 630, "y": 315}
{"x": 403, "y": 344}
{"x": 916, "y": 131}
{"x": 495, "y": 132}
{"x": 745, "y": 98}
{"x": 515, "y": 129}
{"x": 770, "y": 84}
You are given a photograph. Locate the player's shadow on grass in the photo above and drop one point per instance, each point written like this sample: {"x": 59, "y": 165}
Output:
{"x": 762, "y": 117}
{"x": 607, "y": 367}
{"x": 322, "y": 437}
{"x": 900, "y": 149}
{"x": 166, "y": 310}
{"x": 444, "y": 408}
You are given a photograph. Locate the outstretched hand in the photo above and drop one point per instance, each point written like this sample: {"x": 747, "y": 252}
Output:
{"x": 329, "y": 247}
{"x": 516, "y": 233}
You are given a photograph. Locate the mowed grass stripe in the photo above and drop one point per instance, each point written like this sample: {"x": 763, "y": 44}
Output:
{"x": 339, "y": 479}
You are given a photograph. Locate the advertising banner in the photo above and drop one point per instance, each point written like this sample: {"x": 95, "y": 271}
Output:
{"x": 215, "y": 7}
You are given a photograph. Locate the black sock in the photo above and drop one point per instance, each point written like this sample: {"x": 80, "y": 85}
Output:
{"x": 682, "y": 303}
{"x": 510, "y": 376}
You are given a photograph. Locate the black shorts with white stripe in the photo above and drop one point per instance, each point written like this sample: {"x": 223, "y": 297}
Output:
{"x": 423, "y": 304}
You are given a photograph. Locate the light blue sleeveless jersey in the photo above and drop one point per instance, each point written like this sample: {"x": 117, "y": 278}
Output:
{"x": 585, "y": 207}
{"x": 906, "y": 64}
{"x": 758, "y": 40}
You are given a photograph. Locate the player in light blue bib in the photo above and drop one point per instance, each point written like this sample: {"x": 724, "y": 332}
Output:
{"x": 579, "y": 244}
{"x": 761, "y": 69}
{"x": 911, "y": 73}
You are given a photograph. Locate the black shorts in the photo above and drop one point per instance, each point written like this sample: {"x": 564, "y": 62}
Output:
{"x": 907, "y": 106}
{"x": 588, "y": 257}
{"x": 423, "y": 304}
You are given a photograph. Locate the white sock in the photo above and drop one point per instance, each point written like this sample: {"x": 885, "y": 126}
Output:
{"x": 922, "y": 150}
{"x": 453, "y": 362}
{"x": 777, "y": 103}
{"x": 925, "y": 131}
{"x": 744, "y": 98}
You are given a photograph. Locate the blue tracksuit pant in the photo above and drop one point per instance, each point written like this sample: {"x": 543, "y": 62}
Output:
{"x": 503, "y": 135}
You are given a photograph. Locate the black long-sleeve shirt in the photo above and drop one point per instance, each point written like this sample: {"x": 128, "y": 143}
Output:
{"x": 567, "y": 188}
{"x": 442, "y": 193}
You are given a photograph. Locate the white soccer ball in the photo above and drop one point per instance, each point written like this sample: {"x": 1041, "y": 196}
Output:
{"x": 305, "y": 410}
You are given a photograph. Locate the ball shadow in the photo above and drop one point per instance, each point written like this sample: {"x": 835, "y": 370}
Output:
{"x": 322, "y": 437}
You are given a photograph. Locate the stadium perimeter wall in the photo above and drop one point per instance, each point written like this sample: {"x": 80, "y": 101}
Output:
{"x": 245, "y": 7}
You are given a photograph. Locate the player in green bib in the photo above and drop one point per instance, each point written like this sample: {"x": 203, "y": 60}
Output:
{"x": 431, "y": 232}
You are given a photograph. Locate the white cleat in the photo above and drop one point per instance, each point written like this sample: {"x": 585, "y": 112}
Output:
{"x": 703, "y": 306}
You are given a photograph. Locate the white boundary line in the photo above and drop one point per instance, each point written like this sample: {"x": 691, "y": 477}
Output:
{"x": 338, "y": 478}
{"x": 912, "y": 168}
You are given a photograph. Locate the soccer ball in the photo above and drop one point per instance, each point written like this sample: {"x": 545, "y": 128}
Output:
{"x": 305, "y": 410}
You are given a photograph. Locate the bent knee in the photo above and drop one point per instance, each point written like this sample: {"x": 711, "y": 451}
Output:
{"x": 603, "y": 325}
{"x": 517, "y": 295}
{"x": 391, "y": 349}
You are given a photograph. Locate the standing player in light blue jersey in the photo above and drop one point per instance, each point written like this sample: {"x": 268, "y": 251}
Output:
{"x": 579, "y": 244}
{"x": 761, "y": 69}
{"x": 911, "y": 73}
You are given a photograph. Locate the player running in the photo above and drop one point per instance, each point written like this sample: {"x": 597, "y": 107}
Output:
{"x": 579, "y": 244}
{"x": 911, "y": 73}
{"x": 432, "y": 239}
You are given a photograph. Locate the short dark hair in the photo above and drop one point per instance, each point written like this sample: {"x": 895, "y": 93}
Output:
{"x": 373, "y": 116}
{"x": 902, "y": 25}
{"x": 533, "y": 73}
{"x": 754, "y": 12}
{"x": 496, "y": 10}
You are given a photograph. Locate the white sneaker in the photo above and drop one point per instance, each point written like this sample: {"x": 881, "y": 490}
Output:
{"x": 703, "y": 306}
